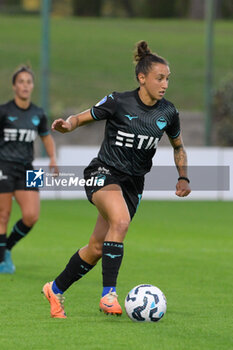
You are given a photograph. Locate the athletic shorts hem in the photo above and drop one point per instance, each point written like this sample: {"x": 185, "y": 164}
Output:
{"x": 13, "y": 177}
{"x": 101, "y": 175}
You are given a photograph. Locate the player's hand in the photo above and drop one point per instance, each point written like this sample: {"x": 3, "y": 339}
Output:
{"x": 53, "y": 167}
{"x": 182, "y": 188}
{"x": 61, "y": 126}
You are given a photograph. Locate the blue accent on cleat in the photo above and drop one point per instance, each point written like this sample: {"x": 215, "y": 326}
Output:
{"x": 4, "y": 268}
{"x": 106, "y": 290}
{"x": 55, "y": 289}
{"x": 8, "y": 261}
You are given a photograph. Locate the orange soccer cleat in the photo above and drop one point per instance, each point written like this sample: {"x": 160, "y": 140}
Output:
{"x": 56, "y": 301}
{"x": 109, "y": 304}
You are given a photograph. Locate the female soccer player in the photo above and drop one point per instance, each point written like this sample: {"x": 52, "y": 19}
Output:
{"x": 136, "y": 121}
{"x": 20, "y": 122}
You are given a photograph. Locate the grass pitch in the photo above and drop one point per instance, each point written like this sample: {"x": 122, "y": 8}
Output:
{"x": 184, "y": 248}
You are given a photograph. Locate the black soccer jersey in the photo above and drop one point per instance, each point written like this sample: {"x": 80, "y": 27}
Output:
{"x": 18, "y": 130}
{"x": 133, "y": 130}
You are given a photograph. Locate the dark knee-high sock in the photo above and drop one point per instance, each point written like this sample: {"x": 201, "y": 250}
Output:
{"x": 2, "y": 246}
{"x": 75, "y": 269}
{"x": 111, "y": 261}
{"x": 19, "y": 231}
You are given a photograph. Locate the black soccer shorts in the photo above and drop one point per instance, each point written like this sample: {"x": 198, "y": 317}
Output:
{"x": 13, "y": 177}
{"x": 98, "y": 175}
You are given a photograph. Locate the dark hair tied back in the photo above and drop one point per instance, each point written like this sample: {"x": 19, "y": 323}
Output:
{"x": 144, "y": 58}
{"x": 142, "y": 50}
{"x": 23, "y": 68}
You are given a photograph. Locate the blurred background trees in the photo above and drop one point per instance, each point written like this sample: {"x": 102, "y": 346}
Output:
{"x": 95, "y": 82}
{"x": 193, "y": 9}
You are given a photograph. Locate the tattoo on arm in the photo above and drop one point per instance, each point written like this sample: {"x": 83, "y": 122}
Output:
{"x": 180, "y": 158}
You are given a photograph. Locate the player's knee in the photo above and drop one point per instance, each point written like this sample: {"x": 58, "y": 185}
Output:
{"x": 4, "y": 216}
{"x": 30, "y": 219}
{"x": 121, "y": 225}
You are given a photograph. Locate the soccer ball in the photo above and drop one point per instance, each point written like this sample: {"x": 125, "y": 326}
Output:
{"x": 145, "y": 303}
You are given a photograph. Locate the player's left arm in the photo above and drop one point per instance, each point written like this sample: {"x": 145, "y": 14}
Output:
{"x": 50, "y": 148}
{"x": 180, "y": 158}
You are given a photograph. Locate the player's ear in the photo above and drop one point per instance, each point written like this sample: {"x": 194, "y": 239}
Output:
{"x": 141, "y": 78}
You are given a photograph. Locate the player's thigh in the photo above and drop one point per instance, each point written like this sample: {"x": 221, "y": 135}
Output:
{"x": 5, "y": 207}
{"x": 29, "y": 202}
{"x": 6, "y": 201}
{"x": 111, "y": 204}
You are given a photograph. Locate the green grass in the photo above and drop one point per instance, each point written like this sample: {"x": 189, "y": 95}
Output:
{"x": 92, "y": 57}
{"x": 185, "y": 248}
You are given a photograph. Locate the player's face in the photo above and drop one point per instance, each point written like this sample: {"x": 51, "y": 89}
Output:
{"x": 23, "y": 86}
{"x": 155, "y": 83}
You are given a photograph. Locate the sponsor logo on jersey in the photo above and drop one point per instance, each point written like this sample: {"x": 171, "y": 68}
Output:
{"x": 161, "y": 123}
{"x": 35, "y": 120}
{"x": 131, "y": 117}
{"x": 11, "y": 118}
{"x": 3, "y": 177}
{"x": 101, "y": 102}
{"x": 26, "y": 135}
{"x": 124, "y": 139}
{"x": 144, "y": 141}
{"x": 34, "y": 178}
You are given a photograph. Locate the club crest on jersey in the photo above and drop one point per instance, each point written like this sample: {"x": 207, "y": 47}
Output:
{"x": 101, "y": 102}
{"x": 35, "y": 120}
{"x": 161, "y": 123}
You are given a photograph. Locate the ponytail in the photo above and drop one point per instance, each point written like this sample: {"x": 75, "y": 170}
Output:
{"x": 144, "y": 58}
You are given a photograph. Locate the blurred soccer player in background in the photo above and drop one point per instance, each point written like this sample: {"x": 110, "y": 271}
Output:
{"x": 20, "y": 122}
{"x": 136, "y": 121}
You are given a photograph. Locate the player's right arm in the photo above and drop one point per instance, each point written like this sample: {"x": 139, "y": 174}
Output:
{"x": 72, "y": 122}
{"x": 104, "y": 109}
